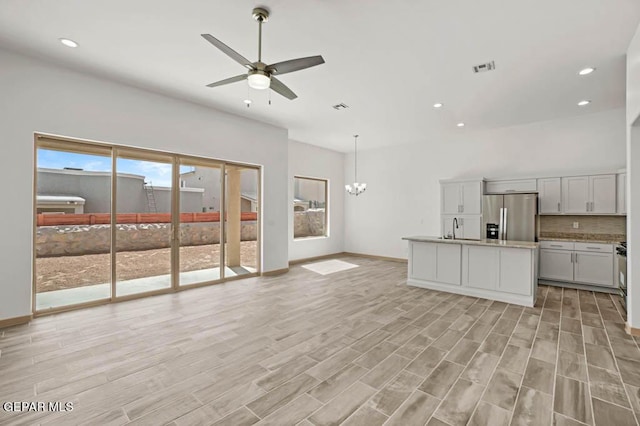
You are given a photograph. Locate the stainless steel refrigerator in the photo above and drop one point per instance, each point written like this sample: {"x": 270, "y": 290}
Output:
{"x": 514, "y": 215}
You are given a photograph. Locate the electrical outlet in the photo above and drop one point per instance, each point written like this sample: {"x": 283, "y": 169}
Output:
{"x": 576, "y": 225}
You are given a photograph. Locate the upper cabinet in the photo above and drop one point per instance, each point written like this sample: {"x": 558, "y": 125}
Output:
{"x": 622, "y": 194}
{"x": 589, "y": 194}
{"x": 549, "y": 199}
{"x": 462, "y": 197}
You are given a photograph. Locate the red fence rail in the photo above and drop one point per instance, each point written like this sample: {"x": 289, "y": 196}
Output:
{"x": 105, "y": 218}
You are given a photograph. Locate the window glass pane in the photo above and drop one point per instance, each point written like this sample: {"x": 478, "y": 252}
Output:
{"x": 73, "y": 228}
{"x": 309, "y": 207}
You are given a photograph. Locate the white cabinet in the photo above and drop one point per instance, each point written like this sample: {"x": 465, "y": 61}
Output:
{"x": 479, "y": 269}
{"x": 514, "y": 265}
{"x": 508, "y": 186}
{"x": 575, "y": 194}
{"x": 435, "y": 262}
{"x": 503, "y": 269}
{"x": 603, "y": 194}
{"x": 593, "y": 268}
{"x": 482, "y": 267}
{"x": 448, "y": 264}
{"x": 461, "y": 197}
{"x": 584, "y": 263}
{"x": 556, "y": 264}
{"x": 424, "y": 265}
{"x": 450, "y": 194}
{"x": 589, "y": 194}
{"x": 549, "y": 195}
{"x": 471, "y": 197}
{"x": 622, "y": 194}
{"x": 468, "y": 226}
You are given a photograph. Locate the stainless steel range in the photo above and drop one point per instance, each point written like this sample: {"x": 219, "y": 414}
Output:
{"x": 622, "y": 274}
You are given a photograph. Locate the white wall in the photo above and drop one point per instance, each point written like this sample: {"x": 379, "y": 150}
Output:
{"x": 633, "y": 180}
{"x": 40, "y": 97}
{"x": 403, "y": 194}
{"x": 312, "y": 161}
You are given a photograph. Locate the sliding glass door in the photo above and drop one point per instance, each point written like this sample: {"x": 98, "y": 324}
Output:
{"x": 72, "y": 245}
{"x": 200, "y": 209}
{"x": 115, "y": 223}
{"x": 143, "y": 236}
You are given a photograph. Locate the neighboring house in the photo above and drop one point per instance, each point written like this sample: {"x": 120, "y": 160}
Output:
{"x": 82, "y": 191}
{"x": 208, "y": 179}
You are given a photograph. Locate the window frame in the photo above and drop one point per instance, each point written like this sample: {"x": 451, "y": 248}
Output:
{"x": 326, "y": 233}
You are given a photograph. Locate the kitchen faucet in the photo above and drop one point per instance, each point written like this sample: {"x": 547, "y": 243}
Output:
{"x": 454, "y": 227}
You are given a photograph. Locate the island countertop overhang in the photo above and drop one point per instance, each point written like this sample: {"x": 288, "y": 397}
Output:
{"x": 487, "y": 242}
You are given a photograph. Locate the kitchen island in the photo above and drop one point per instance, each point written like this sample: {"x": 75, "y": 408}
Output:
{"x": 501, "y": 270}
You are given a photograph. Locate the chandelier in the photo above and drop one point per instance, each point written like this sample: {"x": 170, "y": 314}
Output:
{"x": 356, "y": 188}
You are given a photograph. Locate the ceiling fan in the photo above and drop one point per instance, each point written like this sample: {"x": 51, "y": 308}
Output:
{"x": 260, "y": 75}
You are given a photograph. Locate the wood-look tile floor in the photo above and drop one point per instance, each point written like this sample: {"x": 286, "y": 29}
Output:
{"x": 357, "y": 347}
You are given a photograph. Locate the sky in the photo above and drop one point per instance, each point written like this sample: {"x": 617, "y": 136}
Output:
{"x": 159, "y": 174}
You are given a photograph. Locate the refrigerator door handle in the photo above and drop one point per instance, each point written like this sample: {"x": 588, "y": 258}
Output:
{"x": 501, "y": 225}
{"x": 506, "y": 215}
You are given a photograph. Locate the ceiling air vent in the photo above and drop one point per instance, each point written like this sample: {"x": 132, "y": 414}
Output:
{"x": 489, "y": 66}
{"x": 340, "y": 106}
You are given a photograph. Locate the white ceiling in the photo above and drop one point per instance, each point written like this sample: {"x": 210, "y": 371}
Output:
{"x": 389, "y": 61}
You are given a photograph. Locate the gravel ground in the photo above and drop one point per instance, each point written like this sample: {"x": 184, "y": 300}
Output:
{"x": 56, "y": 273}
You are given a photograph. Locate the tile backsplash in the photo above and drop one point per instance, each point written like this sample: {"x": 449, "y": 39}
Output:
{"x": 588, "y": 225}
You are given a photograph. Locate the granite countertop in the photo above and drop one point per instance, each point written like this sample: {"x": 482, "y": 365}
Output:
{"x": 498, "y": 243}
{"x": 583, "y": 238}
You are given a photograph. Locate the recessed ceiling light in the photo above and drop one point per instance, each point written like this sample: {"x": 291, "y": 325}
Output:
{"x": 460, "y": 124}
{"x": 586, "y": 71}
{"x": 68, "y": 42}
{"x": 438, "y": 105}
{"x": 583, "y": 103}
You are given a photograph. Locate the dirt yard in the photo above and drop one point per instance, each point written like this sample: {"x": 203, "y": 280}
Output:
{"x": 56, "y": 273}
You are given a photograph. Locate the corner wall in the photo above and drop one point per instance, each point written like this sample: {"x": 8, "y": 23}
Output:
{"x": 41, "y": 97}
{"x": 633, "y": 181}
{"x": 312, "y": 161}
{"x": 403, "y": 193}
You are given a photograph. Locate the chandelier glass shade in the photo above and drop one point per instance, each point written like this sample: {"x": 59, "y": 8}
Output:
{"x": 356, "y": 188}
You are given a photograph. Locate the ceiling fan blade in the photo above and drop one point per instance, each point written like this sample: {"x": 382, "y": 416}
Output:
{"x": 228, "y": 80}
{"x": 281, "y": 89}
{"x": 228, "y": 51}
{"x": 284, "y": 67}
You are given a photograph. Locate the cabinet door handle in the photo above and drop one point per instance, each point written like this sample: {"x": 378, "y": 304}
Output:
{"x": 556, "y": 245}
{"x": 587, "y": 206}
{"x": 462, "y": 208}
{"x": 575, "y": 257}
{"x": 594, "y": 248}
{"x": 558, "y": 207}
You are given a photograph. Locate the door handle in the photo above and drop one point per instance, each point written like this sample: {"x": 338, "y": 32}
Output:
{"x": 558, "y": 207}
{"x": 587, "y": 206}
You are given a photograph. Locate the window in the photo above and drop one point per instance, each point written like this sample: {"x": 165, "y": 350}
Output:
{"x": 310, "y": 208}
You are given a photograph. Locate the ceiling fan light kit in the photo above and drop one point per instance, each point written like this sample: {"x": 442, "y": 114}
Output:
{"x": 259, "y": 80}
{"x": 260, "y": 75}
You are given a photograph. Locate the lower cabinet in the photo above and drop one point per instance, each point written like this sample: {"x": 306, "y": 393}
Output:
{"x": 501, "y": 269}
{"x": 593, "y": 268}
{"x": 507, "y": 274}
{"x": 435, "y": 262}
{"x": 556, "y": 264}
{"x": 592, "y": 264}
